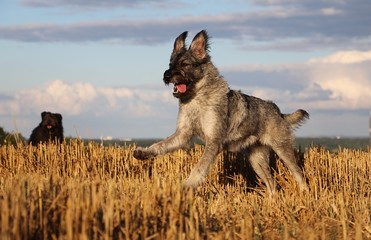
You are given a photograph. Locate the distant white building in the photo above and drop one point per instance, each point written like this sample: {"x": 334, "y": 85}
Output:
{"x": 107, "y": 138}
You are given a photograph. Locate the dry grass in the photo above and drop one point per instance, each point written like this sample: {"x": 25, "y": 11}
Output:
{"x": 72, "y": 191}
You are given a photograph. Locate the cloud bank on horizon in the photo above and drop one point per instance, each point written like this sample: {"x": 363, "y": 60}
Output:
{"x": 335, "y": 86}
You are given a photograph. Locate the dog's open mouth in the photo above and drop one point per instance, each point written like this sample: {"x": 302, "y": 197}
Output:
{"x": 179, "y": 88}
{"x": 49, "y": 127}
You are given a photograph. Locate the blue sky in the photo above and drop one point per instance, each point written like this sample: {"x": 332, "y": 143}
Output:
{"x": 100, "y": 63}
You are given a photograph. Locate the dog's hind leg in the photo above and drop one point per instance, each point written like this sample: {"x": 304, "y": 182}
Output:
{"x": 286, "y": 153}
{"x": 259, "y": 159}
{"x": 201, "y": 170}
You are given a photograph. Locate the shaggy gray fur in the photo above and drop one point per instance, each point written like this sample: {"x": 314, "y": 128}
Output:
{"x": 224, "y": 119}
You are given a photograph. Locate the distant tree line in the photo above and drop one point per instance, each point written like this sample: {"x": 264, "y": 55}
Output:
{"x": 10, "y": 138}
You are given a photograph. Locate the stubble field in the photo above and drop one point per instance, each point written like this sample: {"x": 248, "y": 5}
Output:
{"x": 87, "y": 191}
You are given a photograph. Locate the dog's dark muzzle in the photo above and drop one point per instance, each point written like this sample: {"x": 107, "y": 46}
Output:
{"x": 167, "y": 76}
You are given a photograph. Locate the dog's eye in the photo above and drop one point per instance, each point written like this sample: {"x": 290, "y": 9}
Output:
{"x": 185, "y": 64}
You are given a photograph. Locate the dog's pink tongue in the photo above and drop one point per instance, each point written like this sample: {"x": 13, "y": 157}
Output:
{"x": 182, "y": 88}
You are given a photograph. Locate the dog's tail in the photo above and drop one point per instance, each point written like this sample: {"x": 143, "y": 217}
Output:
{"x": 297, "y": 118}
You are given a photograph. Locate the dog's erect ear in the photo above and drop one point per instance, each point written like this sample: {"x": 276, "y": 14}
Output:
{"x": 43, "y": 114}
{"x": 179, "y": 43}
{"x": 199, "y": 45}
{"x": 59, "y": 116}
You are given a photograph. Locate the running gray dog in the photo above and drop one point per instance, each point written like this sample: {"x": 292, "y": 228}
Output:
{"x": 224, "y": 119}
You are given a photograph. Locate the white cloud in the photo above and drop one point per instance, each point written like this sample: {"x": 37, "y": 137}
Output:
{"x": 330, "y": 11}
{"x": 350, "y": 85}
{"x": 323, "y": 85}
{"x": 112, "y": 96}
{"x": 115, "y": 111}
{"x": 344, "y": 57}
{"x": 339, "y": 81}
{"x": 81, "y": 98}
{"x": 58, "y": 95}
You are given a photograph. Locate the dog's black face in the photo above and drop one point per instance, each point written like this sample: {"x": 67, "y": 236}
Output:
{"x": 49, "y": 129}
{"x": 187, "y": 66}
{"x": 51, "y": 121}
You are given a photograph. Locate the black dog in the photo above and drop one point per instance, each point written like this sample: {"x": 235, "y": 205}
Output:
{"x": 50, "y": 129}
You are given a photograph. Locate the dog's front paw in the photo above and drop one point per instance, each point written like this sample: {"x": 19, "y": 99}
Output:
{"x": 143, "y": 153}
{"x": 194, "y": 180}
